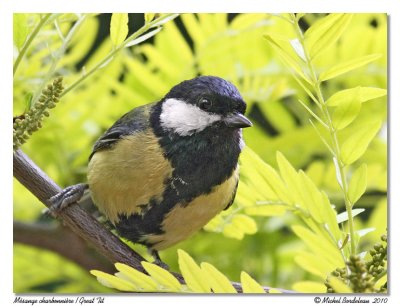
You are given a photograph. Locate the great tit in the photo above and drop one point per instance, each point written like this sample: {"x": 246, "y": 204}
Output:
{"x": 165, "y": 169}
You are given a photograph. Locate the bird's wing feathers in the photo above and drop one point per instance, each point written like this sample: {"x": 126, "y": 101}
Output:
{"x": 134, "y": 121}
{"x": 127, "y": 168}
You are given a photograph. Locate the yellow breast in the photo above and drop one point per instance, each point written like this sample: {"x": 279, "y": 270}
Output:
{"x": 124, "y": 178}
{"x": 184, "y": 220}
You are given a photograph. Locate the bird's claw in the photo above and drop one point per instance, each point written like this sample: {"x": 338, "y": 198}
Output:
{"x": 66, "y": 197}
{"x": 157, "y": 260}
{"x": 161, "y": 264}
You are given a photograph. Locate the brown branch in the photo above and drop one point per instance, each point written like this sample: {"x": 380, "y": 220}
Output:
{"x": 62, "y": 241}
{"x": 79, "y": 221}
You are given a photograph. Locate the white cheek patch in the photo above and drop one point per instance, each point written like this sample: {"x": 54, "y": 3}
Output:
{"x": 185, "y": 119}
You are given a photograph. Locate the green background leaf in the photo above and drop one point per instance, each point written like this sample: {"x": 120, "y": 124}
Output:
{"x": 356, "y": 145}
{"x": 330, "y": 35}
{"x": 358, "y": 183}
{"x": 194, "y": 277}
{"x": 345, "y": 113}
{"x": 219, "y": 283}
{"x": 20, "y": 29}
{"x": 347, "y": 66}
{"x": 118, "y": 28}
{"x": 249, "y": 285}
{"x": 364, "y": 94}
{"x": 162, "y": 276}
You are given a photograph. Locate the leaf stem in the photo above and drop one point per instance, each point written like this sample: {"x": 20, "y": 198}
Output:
{"x": 29, "y": 41}
{"x": 332, "y": 132}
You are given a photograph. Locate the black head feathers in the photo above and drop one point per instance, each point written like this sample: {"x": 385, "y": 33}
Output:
{"x": 223, "y": 95}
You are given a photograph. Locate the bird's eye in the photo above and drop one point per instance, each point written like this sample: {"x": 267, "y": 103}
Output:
{"x": 205, "y": 104}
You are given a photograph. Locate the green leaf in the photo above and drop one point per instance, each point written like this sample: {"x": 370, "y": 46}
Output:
{"x": 330, "y": 216}
{"x": 380, "y": 282}
{"x": 312, "y": 197}
{"x": 266, "y": 210}
{"x": 329, "y": 37}
{"x": 356, "y": 145}
{"x": 316, "y": 172}
{"x": 194, "y": 277}
{"x": 194, "y": 29}
{"x": 318, "y": 28}
{"x": 290, "y": 177}
{"x": 319, "y": 245}
{"x": 162, "y": 276}
{"x": 141, "y": 280}
{"x": 363, "y": 93}
{"x": 313, "y": 263}
{"x": 149, "y": 17}
{"x": 118, "y": 28}
{"x": 219, "y": 282}
{"x": 369, "y": 93}
{"x": 154, "y": 55}
{"x": 28, "y": 101}
{"x": 282, "y": 46}
{"x": 249, "y": 285}
{"x": 346, "y": 112}
{"x": 358, "y": 183}
{"x": 148, "y": 80}
{"x": 364, "y": 231}
{"x": 231, "y": 231}
{"x": 164, "y": 18}
{"x": 142, "y": 38}
{"x": 248, "y": 194}
{"x": 171, "y": 40}
{"x": 268, "y": 174}
{"x": 244, "y": 223}
{"x": 338, "y": 286}
{"x": 343, "y": 216}
{"x": 20, "y": 29}
{"x": 347, "y": 66}
{"x": 112, "y": 281}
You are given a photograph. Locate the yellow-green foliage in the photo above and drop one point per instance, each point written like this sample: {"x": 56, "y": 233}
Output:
{"x": 198, "y": 279}
{"x": 313, "y": 180}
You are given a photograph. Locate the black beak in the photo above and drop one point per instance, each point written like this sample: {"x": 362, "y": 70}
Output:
{"x": 237, "y": 120}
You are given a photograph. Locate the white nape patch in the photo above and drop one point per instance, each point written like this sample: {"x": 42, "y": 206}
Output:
{"x": 183, "y": 118}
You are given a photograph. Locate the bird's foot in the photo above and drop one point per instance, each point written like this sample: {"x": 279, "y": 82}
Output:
{"x": 66, "y": 197}
{"x": 157, "y": 260}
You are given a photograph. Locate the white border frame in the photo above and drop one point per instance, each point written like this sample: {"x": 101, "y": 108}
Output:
{"x": 8, "y": 7}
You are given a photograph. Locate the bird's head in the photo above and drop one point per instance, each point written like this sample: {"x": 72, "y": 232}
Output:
{"x": 200, "y": 103}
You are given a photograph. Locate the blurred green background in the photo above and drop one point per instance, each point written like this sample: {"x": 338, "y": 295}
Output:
{"x": 227, "y": 45}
